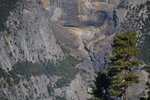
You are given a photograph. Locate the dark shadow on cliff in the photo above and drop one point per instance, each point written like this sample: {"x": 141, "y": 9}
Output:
{"x": 5, "y": 7}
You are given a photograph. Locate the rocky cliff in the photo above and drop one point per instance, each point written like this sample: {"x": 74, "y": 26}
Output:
{"x": 50, "y": 49}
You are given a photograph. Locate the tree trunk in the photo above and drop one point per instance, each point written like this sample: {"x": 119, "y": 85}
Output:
{"x": 126, "y": 93}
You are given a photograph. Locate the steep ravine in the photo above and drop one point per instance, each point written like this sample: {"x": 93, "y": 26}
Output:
{"x": 50, "y": 49}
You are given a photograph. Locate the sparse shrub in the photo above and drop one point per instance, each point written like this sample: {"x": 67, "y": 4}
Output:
{"x": 60, "y": 98}
{"x": 25, "y": 69}
{"x": 50, "y": 89}
{"x": 3, "y": 73}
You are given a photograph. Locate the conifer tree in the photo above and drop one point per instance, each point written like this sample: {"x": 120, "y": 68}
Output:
{"x": 100, "y": 90}
{"x": 120, "y": 70}
{"x": 114, "y": 81}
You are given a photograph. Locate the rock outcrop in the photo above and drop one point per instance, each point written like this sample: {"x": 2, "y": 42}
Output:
{"x": 42, "y": 31}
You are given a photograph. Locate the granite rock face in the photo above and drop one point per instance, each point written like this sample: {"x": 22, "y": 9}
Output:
{"x": 40, "y": 30}
{"x": 29, "y": 36}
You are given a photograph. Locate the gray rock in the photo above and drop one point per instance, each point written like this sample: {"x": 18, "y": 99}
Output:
{"x": 36, "y": 30}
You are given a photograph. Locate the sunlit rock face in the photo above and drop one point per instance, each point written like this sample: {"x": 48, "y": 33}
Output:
{"x": 41, "y": 31}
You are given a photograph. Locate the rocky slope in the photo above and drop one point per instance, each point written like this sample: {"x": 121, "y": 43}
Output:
{"x": 62, "y": 40}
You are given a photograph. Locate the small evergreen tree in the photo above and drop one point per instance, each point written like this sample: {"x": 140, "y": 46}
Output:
{"x": 120, "y": 70}
{"x": 100, "y": 90}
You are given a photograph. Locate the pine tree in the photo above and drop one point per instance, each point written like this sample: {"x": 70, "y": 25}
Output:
{"x": 114, "y": 81}
{"x": 120, "y": 70}
{"x": 100, "y": 90}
